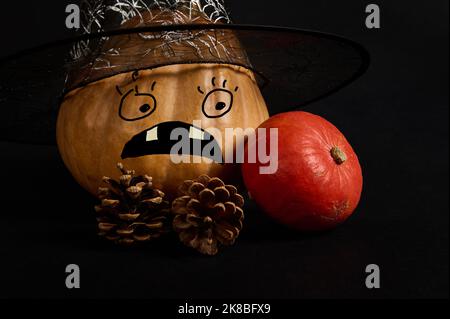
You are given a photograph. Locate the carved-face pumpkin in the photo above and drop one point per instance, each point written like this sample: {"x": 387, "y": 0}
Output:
{"x": 128, "y": 118}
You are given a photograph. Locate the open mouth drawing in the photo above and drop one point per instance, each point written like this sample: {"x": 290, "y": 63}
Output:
{"x": 157, "y": 141}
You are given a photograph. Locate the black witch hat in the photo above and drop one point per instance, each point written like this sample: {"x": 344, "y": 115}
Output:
{"x": 294, "y": 67}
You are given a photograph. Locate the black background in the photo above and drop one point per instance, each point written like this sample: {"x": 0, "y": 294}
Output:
{"x": 396, "y": 117}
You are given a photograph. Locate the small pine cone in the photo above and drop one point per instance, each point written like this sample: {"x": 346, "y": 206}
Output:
{"x": 209, "y": 214}
{"x": 131, "y": 210}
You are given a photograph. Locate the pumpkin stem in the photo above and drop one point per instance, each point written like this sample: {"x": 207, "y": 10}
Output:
{"x": 338, "y": 155}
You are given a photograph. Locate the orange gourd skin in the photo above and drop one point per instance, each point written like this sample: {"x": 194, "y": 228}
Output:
{"x": 91, "y": 135}
{"x": 310, "y": 191}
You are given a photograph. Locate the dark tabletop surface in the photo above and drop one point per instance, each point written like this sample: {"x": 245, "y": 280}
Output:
{"x": 395, "y": 116}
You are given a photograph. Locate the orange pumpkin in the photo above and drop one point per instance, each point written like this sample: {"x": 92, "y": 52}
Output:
{"x": 98, "y": 124}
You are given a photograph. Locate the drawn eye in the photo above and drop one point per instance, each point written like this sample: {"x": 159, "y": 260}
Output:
{"x": 136, "y": 106}
{"x": 217, "y": 103}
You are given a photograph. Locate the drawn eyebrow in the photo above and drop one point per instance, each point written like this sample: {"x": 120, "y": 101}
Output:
{"x": 118, "y": 90}
{"x": 214, "y": 81}
{"x": 153, "y": 85}
{"x": 200, "y": 90}
{"x": 224, "y": 83}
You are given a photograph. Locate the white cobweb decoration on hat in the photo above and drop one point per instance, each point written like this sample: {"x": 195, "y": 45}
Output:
{"x": 96, "y": 13}
{"x": 213, "y": 9}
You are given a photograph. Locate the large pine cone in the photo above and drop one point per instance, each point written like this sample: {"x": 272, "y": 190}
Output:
{"x": 209, "y": 214}
{"x": 131, "y": 210}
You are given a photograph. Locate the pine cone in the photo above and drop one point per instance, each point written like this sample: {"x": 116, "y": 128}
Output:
{"x": 131, "y": 210}
{"x": 209, "y": 214}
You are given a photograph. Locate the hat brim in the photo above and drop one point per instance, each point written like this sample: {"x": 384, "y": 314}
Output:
{"x": 296, "y": 67}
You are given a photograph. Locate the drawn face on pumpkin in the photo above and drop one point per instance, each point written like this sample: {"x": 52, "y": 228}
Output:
{"x": 129, "y": 117}
{"x": 138, "y": 104}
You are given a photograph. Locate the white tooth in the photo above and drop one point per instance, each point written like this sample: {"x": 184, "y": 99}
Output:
{"x": 197, "y": 134}
{"x": 152, "y": 135}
